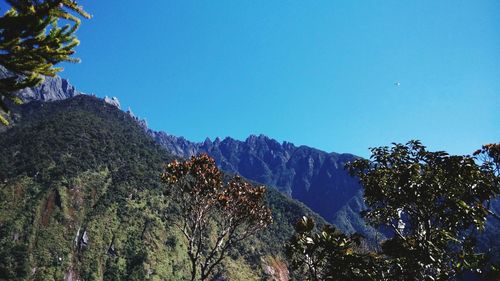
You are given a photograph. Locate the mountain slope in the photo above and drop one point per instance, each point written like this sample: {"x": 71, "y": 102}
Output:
{"x": 80, "y": 198}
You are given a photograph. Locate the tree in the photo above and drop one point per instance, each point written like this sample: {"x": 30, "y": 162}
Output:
{"x": 432, "y": 203}
{"x": 432, "y": 206}
{"x": 489, "y": 155}
{"x": 32, "y": 42}
{"x": 329, "y": 254}
{"x": 214, "y": 215}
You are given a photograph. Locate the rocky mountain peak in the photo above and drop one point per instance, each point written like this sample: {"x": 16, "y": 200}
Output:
{"x": 207, "y": 142}
{"x": 51, "y": 89}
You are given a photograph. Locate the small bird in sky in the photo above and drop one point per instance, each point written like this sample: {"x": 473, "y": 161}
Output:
{"x": 397, "y": 84}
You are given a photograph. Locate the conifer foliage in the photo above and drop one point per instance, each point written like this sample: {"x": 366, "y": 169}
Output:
{"x": 214, "y": 215}
{"x": 33, "y": 40}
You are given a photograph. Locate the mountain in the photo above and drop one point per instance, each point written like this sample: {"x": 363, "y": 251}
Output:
{"x": 51, "y": 89}
{"x": 81, "y": 199}
{"x": 311, "y": 176}
{"x": 314, "y": 177}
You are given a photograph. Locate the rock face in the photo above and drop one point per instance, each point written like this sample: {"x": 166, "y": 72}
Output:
{"x": 276, "y": 270}
{"x": 141, "y": 122}
{"x": 177, "y": 146}
{"x": 51, "y": 89}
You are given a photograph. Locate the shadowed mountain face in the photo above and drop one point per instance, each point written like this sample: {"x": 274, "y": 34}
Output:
{"x": 311, "y": 176}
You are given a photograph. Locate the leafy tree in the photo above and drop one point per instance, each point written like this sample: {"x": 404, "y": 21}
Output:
{"x": 214, "y": 215}
{"x": 432, "y": 203}
{"x": 32, "y": 42}
{"x": 329, "y": 254}
{"x": 489, "y": 155}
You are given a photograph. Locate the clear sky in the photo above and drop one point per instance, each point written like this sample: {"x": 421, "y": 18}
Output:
{"x": 318, "y": 73}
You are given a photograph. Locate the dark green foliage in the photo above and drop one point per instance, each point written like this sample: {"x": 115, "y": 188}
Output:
{"x": 432, "y": 203}
{"x": 86, "y": 137}
{"x": 330, "y": 255}
{"x": 14, "y": 263}
{"x": 286, "y": 212}
{"x": 83, "y": 166}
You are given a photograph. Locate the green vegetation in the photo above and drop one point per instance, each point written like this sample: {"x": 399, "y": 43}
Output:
{"x": 330, "y": 255}
{"x": 432, "y": 205}
{"x": 32, "y": 42}
{"x": 81, "y": 196}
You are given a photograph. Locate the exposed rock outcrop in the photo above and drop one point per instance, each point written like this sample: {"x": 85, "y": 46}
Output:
{"x": 84, "y": 240}
{"x": 277, "y": 270}
{"x": 113, "y": 101}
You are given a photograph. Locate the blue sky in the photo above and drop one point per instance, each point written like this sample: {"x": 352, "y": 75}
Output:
{"x": 318, "y": 73}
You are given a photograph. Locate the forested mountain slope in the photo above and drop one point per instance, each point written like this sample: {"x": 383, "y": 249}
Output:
{"x": 80, "y": 198}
